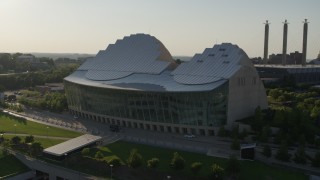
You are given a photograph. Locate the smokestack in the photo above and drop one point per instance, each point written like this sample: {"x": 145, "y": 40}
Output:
{"x": 304, "y": 44}
{"x": 266, "y": 42}
{"x": 284, "y": 47}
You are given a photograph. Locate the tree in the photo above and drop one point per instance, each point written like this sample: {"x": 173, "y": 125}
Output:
{"x": 316, "y": 160}
{"x": 222, "y": 132}
{"x": 99, "y": 155}
{"x": 85, "y": 151}
{"x": 235, "y": 145}
{"x": 153, "y": 163}
{"x": 177, "y": 161}
{"x": 257, "y": 121}
{"x": 265, "y": 133}
{"x": 233, "y": 166}
{"x": 267, "y": 151}
{"x": 115, "y": 161}
{"x": 135, "y": 159}
{"x": 16, "y": 140}
{"x": 36, "y": 149}
{"x": 29, "y": 139}
{"x": 282, "y": 153}
{"x": 300, "y": 156}
{"x": 217, "y": 172}
{"x": 195, "y": 167}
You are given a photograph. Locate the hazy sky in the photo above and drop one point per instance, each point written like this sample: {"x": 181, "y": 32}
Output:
{"x": 185, "y": 27}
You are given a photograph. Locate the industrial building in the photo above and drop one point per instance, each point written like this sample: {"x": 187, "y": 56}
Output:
{"x": 136, "y": 83}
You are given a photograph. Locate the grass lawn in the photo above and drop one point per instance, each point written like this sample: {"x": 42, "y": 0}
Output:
{"x": 249, "y": 169}
{"x": 45, "y": 142}
{"x": 10, "y": 165}
{"x": 8, "y": 122}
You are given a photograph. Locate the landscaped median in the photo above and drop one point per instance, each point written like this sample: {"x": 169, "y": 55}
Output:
{"x": 96, "y": 162}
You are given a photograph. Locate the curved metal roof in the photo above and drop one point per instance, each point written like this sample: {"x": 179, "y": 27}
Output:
{"x": 214, "y": 64}
{"x": 141, "y": 62}
{"x": 139, "y": 53}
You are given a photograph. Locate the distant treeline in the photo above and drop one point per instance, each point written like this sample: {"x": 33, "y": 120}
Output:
{"x": 31, "y": 79}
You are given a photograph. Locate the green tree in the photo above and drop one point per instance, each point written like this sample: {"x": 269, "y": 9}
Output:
{"x": 258, "y": 119}
{"x": 235, "y": 145}
{"x": 99, "y": 155}
{"x": 177, "y": 161}
{"x": 153, "y": 163}
{"x": 36, "y": 149}
{"x": 265, "y": 133}
{"x": 233, "y": 166}
{"x": 29, "y": 139}
{"x": 316, "y": 160}
{"x": 300, "y": 156}
{"x": 217, "y": 172}
{"x": 195, "y": 167}
{"x": 115, "y": 161}
{"x": 16, "y": 140}
{"x": 283, "y": 153}
{"x": 267, "y": 151}
{"x": 222, "y": 132}
{"x": 85, "y": 151}
{"x": 135, "y": 159}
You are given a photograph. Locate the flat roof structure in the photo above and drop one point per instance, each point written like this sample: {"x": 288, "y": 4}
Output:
{"x": 72, "y": 145}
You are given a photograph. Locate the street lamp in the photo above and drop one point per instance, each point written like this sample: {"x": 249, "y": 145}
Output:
{"x": 111, "y": 165}
{"x": 65, "y": 159}
{"x": 15, "y": 127}
{"x": 168, "y": 177}
{"x": 47, "y": 131}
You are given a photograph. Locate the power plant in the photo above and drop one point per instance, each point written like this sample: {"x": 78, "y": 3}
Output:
{"x": 285, "y": 68}
{"x": 266, "y": 42}
{"x": 284, "y": 47}
{"x": 283, "y": 59}
{"x": 304, "y": 43}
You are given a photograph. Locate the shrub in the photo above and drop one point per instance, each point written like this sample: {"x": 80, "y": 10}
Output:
{"x": 217, "y": 172}
{"x": 267, "y": 151}
{"x": 85, "y": 151}
{"x": 135, "y": 159}
{"x": 195, "y": 167}
{"x": 153, "y": 163}
{"x": 116, "y": 162}
{"x": 177, "y": 161}
{"x": 99, "y": 155}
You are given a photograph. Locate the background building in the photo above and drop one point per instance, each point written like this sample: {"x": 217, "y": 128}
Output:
{"x": 136, "y": 83}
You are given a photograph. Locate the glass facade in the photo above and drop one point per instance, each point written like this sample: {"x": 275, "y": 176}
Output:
{"x": 185, "y": 108}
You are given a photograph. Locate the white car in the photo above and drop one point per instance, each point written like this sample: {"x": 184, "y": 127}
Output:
{"x": 189, "y": 136}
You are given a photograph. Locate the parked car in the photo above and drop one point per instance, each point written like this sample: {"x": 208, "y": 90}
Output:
{"x": 189, "y": 136}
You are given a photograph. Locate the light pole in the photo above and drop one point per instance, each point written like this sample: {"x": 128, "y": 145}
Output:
{"x": 111, "y": 165}
{"x": 47, "y": 131}
{"x": 15, "y": 127}
{"x": 168, "y": 177}
{"x": 65, "y": 159}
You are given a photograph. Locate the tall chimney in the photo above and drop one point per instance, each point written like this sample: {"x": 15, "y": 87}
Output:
{"x": 266, "y": 42}
{"x": 284, "y": 47}
{"x": 304, "y": 44}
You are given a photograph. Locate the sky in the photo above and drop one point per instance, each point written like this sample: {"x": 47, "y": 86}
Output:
{"x": 185, "y": 27}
